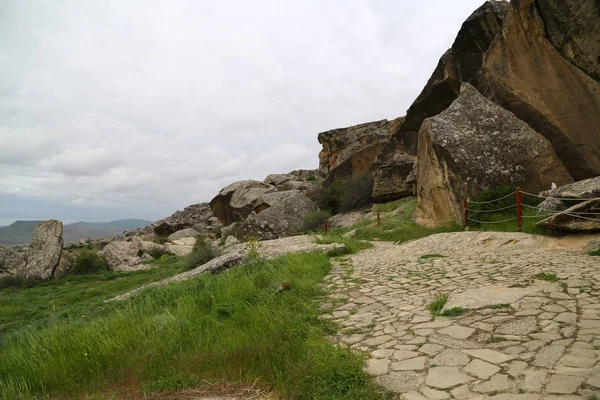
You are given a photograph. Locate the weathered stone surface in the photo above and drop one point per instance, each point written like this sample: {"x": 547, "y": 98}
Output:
{"x": 481, "y": 369}
{"x": 459, "y": 332}
{"x": 179, "y": 250}
{"x": 578, "y": 218}
{"x": 395, "y": 180}
{"x": 197, "y": 216}
{"x": 402, "y": 381}
{"x": 584, "y": 189}
{"x": 231, "y": 240}
{"x": 282, "y": 219}
{"x": 45, "y": 250}
{"x": 349, "y": 152}
{"x": 493, "y": 356}
{"x": 563, "y": 384}
{"x": 377, "y": 366}
{"x": 521, "y": 326}
{"x": 11, "y": 262}
{"x": 184, "y": 233}
{"x": 237, "y": 200}
{"x": 451, "y": 358}
{"x": 410, "y": 364}
{"x": 446, "y": 377}
{"x": 525, "y": 74}
{"x": 491, "y": 295}
{"x": 474, "y": 145}
{"x": 499, "y": 382}
{"x": 548, "y": 356}
{"x": 122, "y": 256}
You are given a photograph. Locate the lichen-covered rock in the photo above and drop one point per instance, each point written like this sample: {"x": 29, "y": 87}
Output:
{"x": 394, "y": 181}
{"x": 231, "y": 240}
{"x": 461, "y": 63}
{"x": 184, "y": 233}
{"x": 584, "y": 189}
{"x": 236, "y": 201}
{"x": 349, "y": 152}
{"x": 197, "y": 216}
{"x": 45, "y": 250}
{"x": 476, "y": 145}
{"x": 122, "y": 256}
{"x": 284, "y": 218}
{"x": 11, "y": 261}
{"x": 582, "y": 217}
{"x": 179, "y": 250}
{"x": 526, "y": 74}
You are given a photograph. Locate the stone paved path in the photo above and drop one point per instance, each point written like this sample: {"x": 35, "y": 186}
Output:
{"x": 545, "y": 345}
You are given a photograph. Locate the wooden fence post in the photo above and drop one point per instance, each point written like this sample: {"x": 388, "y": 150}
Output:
{"x": 519, "y": 199}
{"x": 466, "y": 208}
{"x": 325, "y": 227}
{"x": 378, "y": 220}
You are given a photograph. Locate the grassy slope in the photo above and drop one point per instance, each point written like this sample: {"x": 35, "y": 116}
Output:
{"x": 75, "y": 296}
{"x": 231, "y": 327}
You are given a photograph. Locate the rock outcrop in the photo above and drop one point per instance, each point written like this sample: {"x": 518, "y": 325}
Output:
{"x": 45, "y": 258}
{"x": 461, "y": 63}
{"x": 285, "y": 217}
{"x": 11, "y": 262}
{"x": 349, "y": 152}
{"x": 582, "y": 217}
{"x": 525, "y": 74}
{"x": 196, "y": 216}
{"x": 560, "y": 198}
{"x": 475, "y": 145}
{"x": 237, "y": 200}
{"x": 122, "y": 256}
{"x": 184, "y": 233}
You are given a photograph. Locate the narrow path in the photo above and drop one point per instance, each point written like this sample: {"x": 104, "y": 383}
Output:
{"x": 546, "y": 345}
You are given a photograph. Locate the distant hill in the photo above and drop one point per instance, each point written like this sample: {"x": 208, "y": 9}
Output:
{"x": 19, "y": 232}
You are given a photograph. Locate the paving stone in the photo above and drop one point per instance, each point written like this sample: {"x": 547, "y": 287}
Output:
{"x": 411, "y": 364}
{"x": 431, "y": 349}
{"x": 589, "y": 323}
{"x": 498, "y": 383}
{"x": 377, "y": 366}
{"x": 413, "y": 396}
{"x": 520, "y": 326}
{"x": 594, "y": 380}
{"x": 577, "y": 362}
{"x": 493, "y": 356}
{"x": 434, "y": 394}
{"x": 481, "y": 369}
{"x": 433, "y": 325}
{"x": 378, "y": 340}
{"x": 446, "y": 377}
{"x": 401, "y": 382}
{"x": 457, "y": 331}
{"x": 566, "y": 317}
{"x": 516, "y": 368}
{"x": 563, "y": 384}
{"x": 451, "y": 358}
{"x": 512, "y": 396}
{"x": 533, "y": 380}
{"x": 548, "y": 356}
{"x": 462, "y": 393}
{"x": 382, "y": 353}
{"x": 405, "y": 354}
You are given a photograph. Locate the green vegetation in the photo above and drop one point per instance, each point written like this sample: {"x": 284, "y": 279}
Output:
{"x": 316, "y": 219}
{"x": 353, "y": 245}
{"x": 547, "y": 276}
{"x": 202, "y": 253}
{"x": 594, "y": 253}
{"x": 436, "y": 306}
{"x": 426, "y": 256}
{"x": 499, "y": 306}
{"x": 75, "y": 297}
{"x": 157, "y": 252}
{"x": 88, "y": 262}
{"x": 233, "y": 327}
{"x": 453, "y": 312}
{"x": 345, "y": 196}
{"x": 496, "y": 339}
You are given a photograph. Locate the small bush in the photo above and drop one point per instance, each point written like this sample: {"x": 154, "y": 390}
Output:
{"x": 330, "y": 197}
{"x": 160, "y": 239}
{"x": 594, "y": 253}
{"x": 311, "y": 178}
{"x": 157, "y": 252}
{"x": 358, "y": 193}
{"x": 436, "y": 306}
{"x": 88, "y": 262}
{"x": 16, "y": 281}
{"x": 252, "y": 254}
{"x": 453, "y": 312}
{"x": 545, "y": 276}
{"x": 316, "y": 219}
{"x": 202, "y": 253}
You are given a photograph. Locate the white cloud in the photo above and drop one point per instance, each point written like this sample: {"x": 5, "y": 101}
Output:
{"x": 145, "y": 106}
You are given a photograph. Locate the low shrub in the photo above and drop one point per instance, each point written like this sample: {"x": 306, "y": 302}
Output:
{"x": 157, "y": 252}
{"x": 16, "y": 281}
{"x": 88, "y": 262}
{"x": 202, "y": 253}
{"x": 358, "y": 193}
{"x": 316, "y": 219}
{"x": 330, "y": 197}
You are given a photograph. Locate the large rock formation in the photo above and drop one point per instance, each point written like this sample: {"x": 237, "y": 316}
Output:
{"x": 11, "y": 262}
{"x": 45, "y": 258}
{"x": 582, "y": 217}
{"x": 350, "y": 152}
{"x": 122, "y": 256}
{"x": 563, "y": 197}
{"x": 461, "y": 63}
{"x": 475, "y": 145}
{"x": 527, "y": 75}
{"x": 285, "y": 217}
{"x": 197, "y": 216}
{"x": 237, "y": 200}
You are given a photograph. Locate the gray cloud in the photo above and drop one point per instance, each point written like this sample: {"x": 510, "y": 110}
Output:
{"x": 142, "y": 107}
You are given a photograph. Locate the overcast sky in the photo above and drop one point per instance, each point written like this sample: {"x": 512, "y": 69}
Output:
{"x": 137, "y": 108}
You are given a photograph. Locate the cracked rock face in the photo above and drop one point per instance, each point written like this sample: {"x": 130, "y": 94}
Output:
{"x": 45, "y": 250}
{"x": 475, "y": 145}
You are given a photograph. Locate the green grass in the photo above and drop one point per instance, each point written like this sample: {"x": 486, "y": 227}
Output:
{"x": 547, "y": 276}
{"x": 499, "y": 306}
{"x": 80, "y": 296}
{"x": 352, "y": 244}
{"x": 496, "y": 339}
{"x": 436, "y": 306}
{"x": 232, "y": 327}
{"x": 453, "y": 312}
{"x": 405, "y": 206}
{"x": 594, "y": 253}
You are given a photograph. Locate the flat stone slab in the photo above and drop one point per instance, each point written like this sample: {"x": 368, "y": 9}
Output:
{"x": 491, "y": 295}
{"x": 481, "y": 369}
{"x": 446, "y": 377}
{"x": 493, "y": 356}
{"x": 457, "y": 331}
{"x": 563, "y": 384}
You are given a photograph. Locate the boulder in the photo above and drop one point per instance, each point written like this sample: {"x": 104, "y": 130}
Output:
{"x": 343, "y": 220}
{"x": 270, "y": 199}
{"x": 236, "y": 201}
{"x": 585, "y": 189}
{"x": 461, "y": 63}
{"x": 349, "y": 152}
{"x": 282, "y": 219}
{"x": 11, "y": 262}
{"x": 184, "y": 233}
{"x": 305, "y": 175}
{"x": 475, "y": 145}
{"x": 189, "y": 241}
{"x": 396, "y": 180}
{"x": 197, "y": 216}
{"x": 122, "y": 256}
{"x": 526, "y": 74}
{"x": 45, "y": 251}
{"x": 582, "y": 217}
{"x": 179, "y": 250}
{"x": 231, "y": 240}
{"x": 146, "y": 257}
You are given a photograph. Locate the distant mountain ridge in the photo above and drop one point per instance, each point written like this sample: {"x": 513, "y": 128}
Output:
{"x": 19, "y": 232}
